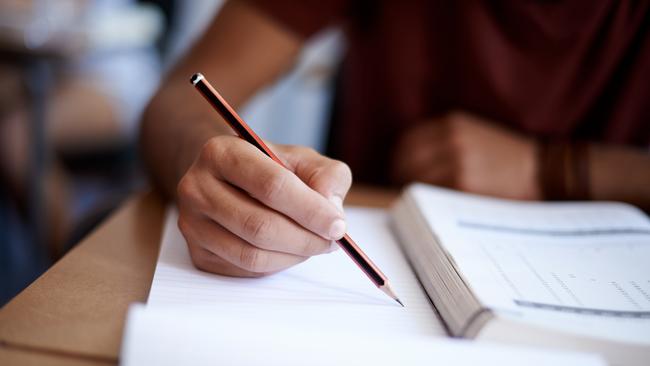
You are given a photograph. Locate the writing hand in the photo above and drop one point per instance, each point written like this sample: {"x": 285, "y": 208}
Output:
{"x": 242, "y": 214}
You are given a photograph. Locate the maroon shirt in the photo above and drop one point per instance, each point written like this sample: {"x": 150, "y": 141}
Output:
{"x": 552, "y": 69}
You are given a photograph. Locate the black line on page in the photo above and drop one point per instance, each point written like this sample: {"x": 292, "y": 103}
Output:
{"x": 554, "y": 232}
{"x": 584, "y": 310}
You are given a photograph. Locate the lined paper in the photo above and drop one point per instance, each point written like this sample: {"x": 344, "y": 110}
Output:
{"x": 328, "y": 291}
{"x": 321, "y": 312}
{"x": 175, "y": 336}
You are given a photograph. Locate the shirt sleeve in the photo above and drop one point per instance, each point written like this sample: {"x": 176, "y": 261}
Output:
{"x": 304, "y": 17}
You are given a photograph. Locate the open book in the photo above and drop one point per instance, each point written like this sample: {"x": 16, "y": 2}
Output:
{"x": 566, "y": 275}
{"x": 461, "y": 289}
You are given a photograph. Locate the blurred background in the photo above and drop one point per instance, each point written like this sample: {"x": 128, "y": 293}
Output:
{"x": 75, "y": 76}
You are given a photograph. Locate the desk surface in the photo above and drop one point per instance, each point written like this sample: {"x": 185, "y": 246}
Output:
{"x": 74, "y": 313}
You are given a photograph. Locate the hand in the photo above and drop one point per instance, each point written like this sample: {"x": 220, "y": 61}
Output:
{"x": 242, "y": 214}
{"x": 468, "y": 153}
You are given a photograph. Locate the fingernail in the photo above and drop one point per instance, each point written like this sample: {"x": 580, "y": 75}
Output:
{"x": 337, "y": 202}
{"x": 337, "y": 230}
{"x": 333, "y": 247}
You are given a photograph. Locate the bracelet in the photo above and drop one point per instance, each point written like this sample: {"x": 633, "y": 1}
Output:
{"x": 564, "y": 170}
{"x": 581, "y": 171}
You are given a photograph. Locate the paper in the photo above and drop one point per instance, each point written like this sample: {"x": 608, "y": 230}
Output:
{"x": 321, "y": 312}
{"x": 327, "y": 291}
{"x": 580, "y": 267}
{"x": 175, "y": 336}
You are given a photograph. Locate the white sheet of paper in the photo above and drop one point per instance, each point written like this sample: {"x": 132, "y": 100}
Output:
{"x": 175, "y": 336}
{"x": 321, "y": 312}
{"x": 329, "y": 285}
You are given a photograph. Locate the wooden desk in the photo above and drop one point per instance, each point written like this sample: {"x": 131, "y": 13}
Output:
{"x": 74, "y": 313}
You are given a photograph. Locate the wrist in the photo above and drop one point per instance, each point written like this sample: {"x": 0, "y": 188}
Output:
{"x": 563, "y": 170}
{"x": 530, "y": 169}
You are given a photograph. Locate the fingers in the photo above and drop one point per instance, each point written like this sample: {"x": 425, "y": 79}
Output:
{"x": 243, "y": 166}
{"x": 412, "y": 162}
{"x": 331, "y": 178}
{"x": 243, "y": 214}
{"x": 440, "y": 172}
{"x": 227, "y": 253}
{"x": 255, "y": 223}
{"x": 423, "y": 154}
{"x": 207, "y": 261}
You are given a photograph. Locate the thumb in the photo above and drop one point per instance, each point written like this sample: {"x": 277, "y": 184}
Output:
{"x": 331, "y": 178}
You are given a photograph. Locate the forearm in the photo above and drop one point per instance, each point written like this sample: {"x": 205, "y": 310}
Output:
{"x": 240, "y": 52}
{"x": 620, "y": 173}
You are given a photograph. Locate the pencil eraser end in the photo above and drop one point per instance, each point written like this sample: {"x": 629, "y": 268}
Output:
{"x": 196, "y": 78}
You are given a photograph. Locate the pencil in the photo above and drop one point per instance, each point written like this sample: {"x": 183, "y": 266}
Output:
{"x": 245, "y": 132}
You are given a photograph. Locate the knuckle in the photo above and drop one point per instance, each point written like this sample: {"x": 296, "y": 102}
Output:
{"x": 185, "y": 189}
{"x": 257, "y": 228}
{"x": 253, "y": 259}
{"x": 213, "y": 150}
{"x": 203, "y": 263}
{"x": 183, "y": 225}
{"x": 199, "y": 261}
{"x": 198, "y": 257}
{"x": 189, "y": 195}
{"x": 342, "y": 171}
{"x": 272, "y": 185}
{"x": 331, "y": 176}
{"x": 305, "y": 150}
{"x": 299, "y": 149}
{"x": 315, "y": 178}
{"x": 302, "y": 150}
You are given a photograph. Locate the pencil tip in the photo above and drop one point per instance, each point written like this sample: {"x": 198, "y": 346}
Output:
{"x": 389, "y": 291}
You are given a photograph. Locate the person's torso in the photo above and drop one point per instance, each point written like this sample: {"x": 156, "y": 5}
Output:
{"x": 554, "y": 69}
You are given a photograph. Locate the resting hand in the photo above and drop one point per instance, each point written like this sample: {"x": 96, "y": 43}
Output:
{"x": 468, "y": 153}
{"x": 242, "y": 214}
